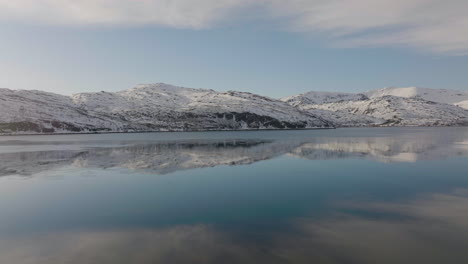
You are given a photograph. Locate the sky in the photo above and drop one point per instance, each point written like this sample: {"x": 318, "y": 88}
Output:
{"x": 270, "y": 47}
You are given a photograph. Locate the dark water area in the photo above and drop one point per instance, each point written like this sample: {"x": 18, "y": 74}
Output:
{"x": 370, "y": 195}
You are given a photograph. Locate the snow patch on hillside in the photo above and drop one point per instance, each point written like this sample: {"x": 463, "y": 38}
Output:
{"x": 435, "y": 95}
{"x": 313, "y": 97}
{"x": 409, "y": 106}
{"x": 400, "y": 111}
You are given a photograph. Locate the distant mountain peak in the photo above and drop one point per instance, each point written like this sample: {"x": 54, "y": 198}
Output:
{"x": 164, "y": 87}
{"x": 430, "y": 94}
{"x": 391, "y": 106}
{"x": 313, "y": 97}
{"x": 155, "y": 86}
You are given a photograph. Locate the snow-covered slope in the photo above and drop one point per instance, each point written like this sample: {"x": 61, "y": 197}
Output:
{"x": 48, "y": 112}
{"x": 462, "y": 104}
{"x": 313, "y": 97}
{"x": 390, "y": 106}
{"x": 342, "y": 118}
{"x": 399, "y": 111}
{"x": 434, "y": 95}
{"x": 156, "y": 107}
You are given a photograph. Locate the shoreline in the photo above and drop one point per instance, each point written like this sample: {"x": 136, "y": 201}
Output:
{"x": 169, "y": 131}
{"x": 221, "y": 130}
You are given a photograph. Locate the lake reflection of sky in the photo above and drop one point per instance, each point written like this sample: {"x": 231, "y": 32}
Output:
{"x": 336, "y": 196}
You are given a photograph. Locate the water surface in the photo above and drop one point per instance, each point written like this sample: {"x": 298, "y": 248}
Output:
{"x": 374, "y": 195}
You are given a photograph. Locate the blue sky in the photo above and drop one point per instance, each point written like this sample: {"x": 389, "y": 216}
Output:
{"x": 254, "y": 50}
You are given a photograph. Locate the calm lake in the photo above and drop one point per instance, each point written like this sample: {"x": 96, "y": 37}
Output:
{"x": 370, "y": 195}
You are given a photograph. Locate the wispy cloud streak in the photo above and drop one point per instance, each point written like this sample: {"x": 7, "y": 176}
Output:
{"x": 431, "y": 25}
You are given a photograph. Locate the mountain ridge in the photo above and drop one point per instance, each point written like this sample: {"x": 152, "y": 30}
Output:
{"x": 409, "y": 106}
{"x": 429, "y": 94}
{"x": 152, "y": 107}
{"x": 164, "y": 107}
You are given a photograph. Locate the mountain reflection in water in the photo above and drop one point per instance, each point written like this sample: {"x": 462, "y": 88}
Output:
{"x": 170, "y": 156}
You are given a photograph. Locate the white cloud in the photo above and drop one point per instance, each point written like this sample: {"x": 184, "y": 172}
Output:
{"x": 173, "y": 13}
{"x": 439, "y": 26}
{"x": 433, "y": 25}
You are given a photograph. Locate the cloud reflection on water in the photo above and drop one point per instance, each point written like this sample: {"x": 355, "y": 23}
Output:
{"x": 428, "y": 229}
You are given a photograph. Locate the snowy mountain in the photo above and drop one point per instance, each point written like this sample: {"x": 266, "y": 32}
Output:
{"x": 155, "y": 107}
{"x": 322, "y": 98}
{"x": 163, "y": 107}
{"x": 435, "y": 95}
{"x": 399, "y": 111}
{"x": 377, "y": 108}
